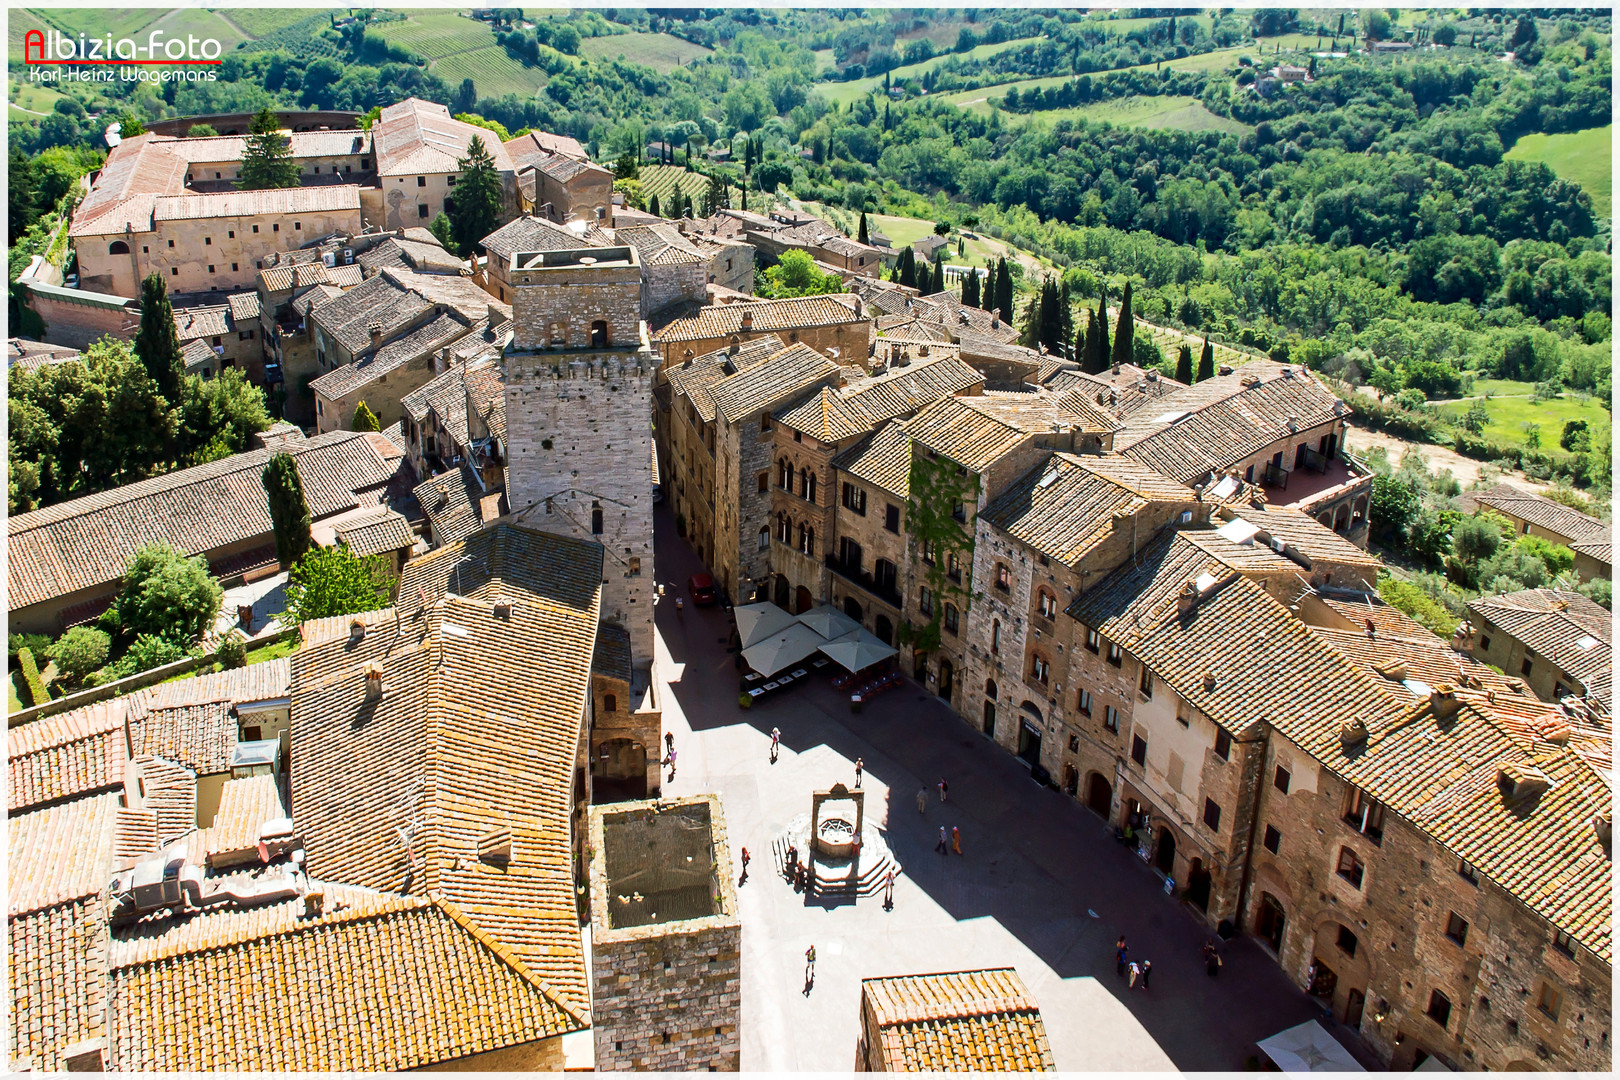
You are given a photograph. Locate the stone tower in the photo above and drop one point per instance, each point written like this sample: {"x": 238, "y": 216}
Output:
{"x": 578, "y": 380}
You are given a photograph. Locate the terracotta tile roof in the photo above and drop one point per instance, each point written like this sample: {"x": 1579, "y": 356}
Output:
{"x": 201, "y": 737}
{"x": 386, "y": 532}
{"x": 450, "y": 501}
{"x": 1220, "y": 422}
{"x": 565, "y": 169}
{"x": 300, "y": 144}
{"x": 452, "y": 291}
{"x": 379, "y": 301}
{"x": 795, "y": 368}
{"x": 171, "y": 795}
{"x": 1560, "y": 626}
{"x": 975, "y": 432}
{"x": 395, "y": 794}
{"x": 58, "y": 981}
{"x": 196, "y": 355}
{"x": 1079, "y": 407}
{"x": 1539, "y": 510}
{"x": 661, "y": 245}
{"x": 88, "y": 541}
{"x": 988, "y": 347}
{"x": 1598, "y": 546}
{"x": 1066, "y": 506}
{"x": 1387, "y": 621}
{"x": 70, "y": 754}
{"x": 311, "y": 296}
{"x": 612, "y": 657}
{"x": 245, "y": 804}
{"x": 961, "y": 1021}
{"x": 882, "y": 459}
{"x": 60, "y": 854}
{"x": 475, "y": 388}
{"x": 276, "y": 201}
{"x": 530, "y": 233}
{"x": 232, "y": 990}
{"x": 136, "y": 171}
{"x": 1402, "y": 661}
{"x": 208, "y": 320}
{"x": 25, "y": 354}
{"x": 532, "y": 142}
{"x": 295, "y": 276}
{"x": 903, "y": 391}
{"x": 910, "y": 328}
{"x": 245, "y": 685}
{"x": 403, "y": 254}
{"x": 1306, "y": 536}
{"x": 421, "y": 341}
{"x": 824, "y": 414}
{"x": 796, "y": 313}
{"x": 244, "y": 306}
{"x": 416, "y": 136}
{"x": 696, "y": 377}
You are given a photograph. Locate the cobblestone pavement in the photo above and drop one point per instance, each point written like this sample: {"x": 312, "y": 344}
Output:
{"x": 1041, "y": 884}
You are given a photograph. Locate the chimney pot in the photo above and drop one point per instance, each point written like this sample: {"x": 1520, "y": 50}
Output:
{"x": 1443, "y": 701}
{"x": 747, "y": 320}
{"x": 1209, "y": 680}
{"x": 314, "y": 903}
{"x": 357, "y": 631}
{"x": 1186, "y": 602}
{"x": 374, "y": 682}
{"x": 1352, "y": 734}
{"x": 1224, "y": 369}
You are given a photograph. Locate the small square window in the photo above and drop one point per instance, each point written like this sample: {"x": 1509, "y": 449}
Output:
{"x": 1116, "y": 655}
{"x": 234, "y": 267}
{"x": 1083, "y": 702}
{"x": 173, "y": 271}
{"x": 230, "y": 234}
{"x": 1549, "y": 1000}
{"x": 1347, "y": 941}
{"x": 1093, "y": 640}
{"x": 764, "y": 482}
{"x": 275, "y": 226}
{"x": 1457, "y": 928}
{"x": 1524, "y": 668}
{"x": 421, "y": 181}
{"x": 422, "y": 211}
{"x": 297, "y": 225}
{"x": 1280, "y": 781}
{"x": 891, "y": 518}
{"x": 208, "y": 241}
{"x": 1111, "y": 719}
{"x": 1563, "y": 943}
{"x": 1273, "y": 840}
{"x": 1212, "y": 815}
{"x": 255, "y": 228}
{"x": 1145, "y": 684}
{"x": 1439, "y": 1009}
{"x": 1467, "y": 873}
{"x": 171, "y": 243}
{"x": 1484, "y": 644}
{"x": 145, "y": 250}
{"x": 1138, "y": 748}
{"x": 1223, "y": 746}
{"x": 210, "y": 268}
{"x": 1350, "y": 867}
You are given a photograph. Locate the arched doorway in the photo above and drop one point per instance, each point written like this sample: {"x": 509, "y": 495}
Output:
{"x": 802, "y": 600}
{"x": 1071, "y": 780}
{"x": 852, "y": 608}
{"x": 1029, "y": 733}
{"x": 1269, "y": 922}
{"x": 989, "y": 718}
{"x": 884, "y": 629}
{"x": 1099, "y": 794}
{"x": 1164, "y": 857}
{"x": 946, "y": 674}
{"x": 762, "y": 593}
{"x": 781, "y": 591}
{"x": 1355, "y": 1005}
{"x": 1198, "y": 883}
{"x": 619, "y": 770}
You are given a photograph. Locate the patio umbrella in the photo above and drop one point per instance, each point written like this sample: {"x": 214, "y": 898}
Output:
{"x": 857, "y": 650}
{"x": 782, "y": 650}
{"x": 756, "y": 622}
{"x": 1308, "y": 1047}
{"x": 829, "y": 622}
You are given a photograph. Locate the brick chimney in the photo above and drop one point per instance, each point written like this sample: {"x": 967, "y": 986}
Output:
{"x": 375, "y": 330}
{"x": 374, "y": 682}
{"x": 1188, "y": 599}
{"x": 357, "y": 632}
{"x": 748, "y": 319}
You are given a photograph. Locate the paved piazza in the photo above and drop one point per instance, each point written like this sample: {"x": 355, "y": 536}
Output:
{"x": 1035, "y": 867}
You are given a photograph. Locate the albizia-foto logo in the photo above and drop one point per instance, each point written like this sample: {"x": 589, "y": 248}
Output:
{"x": 52, "y": 56}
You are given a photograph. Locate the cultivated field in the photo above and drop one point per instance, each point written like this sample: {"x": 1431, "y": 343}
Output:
{"x": 492, "y": 71}
{"x": 436, "y": 34}
{"x": 1173, "y": 112}
{"x": 842, "y": 93}
{"x": 661, "y": 52}
{"x": 1585, "y": 157}
{"x": 261, "y": 22}
{"x": 662, "y": 180}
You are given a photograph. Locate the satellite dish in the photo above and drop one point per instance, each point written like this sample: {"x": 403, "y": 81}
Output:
{"x": 113, "y": 138}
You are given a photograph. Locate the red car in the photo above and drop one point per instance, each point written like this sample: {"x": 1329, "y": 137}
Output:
{"x": 701, "y": 586}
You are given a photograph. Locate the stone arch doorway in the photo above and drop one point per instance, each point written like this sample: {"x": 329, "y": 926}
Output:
{"x": 1099, "y": 794}
{"x": 1164, "y": 856}
{"x": 802, "y": 600}
{"x": 1270, "y": 921}
{"x": 781, "y": 591}
{"x": 883, "y": 629}
{"x": 1029, "y": 733}
{"x": 1198, "y": 884}
{"x": 1355, "y": 1005}
{"x": 989, "y": 727}
{"x": 852, "y": 608}
{"x": 947, "y": 676}
{"x": 619, "y": 770}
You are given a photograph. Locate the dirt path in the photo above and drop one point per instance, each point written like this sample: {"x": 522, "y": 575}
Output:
{"x": 1465, "y": 469}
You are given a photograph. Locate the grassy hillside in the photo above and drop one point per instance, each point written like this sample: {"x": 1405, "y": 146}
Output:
{"x": 661, "y": 52}
{"x": 1585, "y": 157}
{"x": 662, "y": 180}
{"x": 842, "y": 93}
{"x": 436, "y": 34}
{"x": 1509, "y": 414}
{"x": 1173, "y": 112}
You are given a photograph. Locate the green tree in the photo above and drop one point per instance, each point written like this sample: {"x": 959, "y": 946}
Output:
{"x": 970, "y": 289}
{"x": 1374, "y": 25}
{"x": 1475, "y": 419}
{"x": 219, "y": 417}
{"x": 1532, "y": 434}
{"x": 1474, "y": 539}
{"x": 289, "y": 513}
{"x": 232, "y": 651}
{"x": 863, "y": 236}
{"x": 78, "y": 652}
{"x": 1124, "y": 330}
{"x": 795, "y": 274}
{"x": 364, "y": 418}
{"x": 908, "y": 267}
{"x": 444, "y": 232}
{"x": 1577, "y": 437}
{"x": 652, "y": 205}
{"x": 147, "y": 652}
{"x": 1393, "y": 506}
{"x": 1184, "y": 365}
{"x": 267, "y": 158}
{"x": 477, "y": 210}
{"x": 627, "y": 167}
{"x": 166, "y": 595}
{"x": 1206, "y": 362}
{"x": 335, "y": 581}
{"x": 1004, "y": 289}
{"x": 987, "y": 293}
{"x": 717, "y": 196}
{"x": 157, "y": 342}
{"x": 465, "y": 99}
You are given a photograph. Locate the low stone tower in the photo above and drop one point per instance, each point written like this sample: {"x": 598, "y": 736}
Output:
{"x": 666, "y": 941}
{"x": 578, "y": 381}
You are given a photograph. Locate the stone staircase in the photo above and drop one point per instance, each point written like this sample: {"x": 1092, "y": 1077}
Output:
{"x": 842, "y": 877}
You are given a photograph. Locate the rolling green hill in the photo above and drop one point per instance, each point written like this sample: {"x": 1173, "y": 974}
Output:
{"x": 661, "y": 52}
{"x": 1582, "y": 156}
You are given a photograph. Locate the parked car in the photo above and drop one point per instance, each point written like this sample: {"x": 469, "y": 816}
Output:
{"x": 657, "y": 494}
{"x": 701, "y": 586}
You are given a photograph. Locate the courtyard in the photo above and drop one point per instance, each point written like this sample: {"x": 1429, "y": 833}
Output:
{"x": 1041, "y": 883}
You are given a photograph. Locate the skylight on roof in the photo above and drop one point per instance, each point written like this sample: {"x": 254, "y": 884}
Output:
{"x": 1588, "y": 642}
{"x": 1238, "y": 531}
{"x": 1170, "y": 417}
{"x": 1049, "y": 479}
{"x": 1204, "y": 582}
{"x": 1227, "y": 486}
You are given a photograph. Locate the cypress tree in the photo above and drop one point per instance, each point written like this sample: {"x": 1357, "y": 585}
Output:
{"x": 1184, "y": 365}
{"x": 908, "y": 267}
{"x": 1030, "y": 335}
{"x": 1104, "y": 357}
{"x": 1079, "y": 348}
{"x": 938, "y": 277}
{"x": 1094, "y": 356}
{"x": 157, "y": 343}
{"x": 652, "y": 206}
{"x": 1124, "y": 330}
{"x": 1065, "y": 330}
{"x": 364, "y": 419}
{"x": 267, "y": 157}
{"x": 970, "y": 289}
{"x": 1004, "y": 289}
{"x": 1206, "y": 362}
{"x": 289, "y": 512}
{"x": 864, "y": 237}
{"x": 987, "y": 290}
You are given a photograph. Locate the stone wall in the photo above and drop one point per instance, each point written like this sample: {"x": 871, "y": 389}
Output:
{"x": 625, "y": 742}
{"x": 678, "y": 283}
{"x": 382, "y": 395}
{"x": 75, "y": 323}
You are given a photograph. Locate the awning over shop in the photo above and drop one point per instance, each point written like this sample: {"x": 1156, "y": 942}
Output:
{"x": 857, "y": 650}
{"x": 756, "y": 622}
{"x": 1309, "y": 1048}
{"x": 829, "y": 622}
{"x": 782, "y": 650}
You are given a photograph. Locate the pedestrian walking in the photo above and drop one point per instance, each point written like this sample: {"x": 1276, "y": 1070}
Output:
{"x": 1121, "y": 954}
{"x": 1212, "y": 964}
{"x": 860, "y": 763}
{"x": 922, "y": 800}
{"x": 669, "y": 741}
{"x": 956, "y": 839}
{"x": 670, "y": 761}
{"x": 809, "y": 968}
{"x": 1147, "y": 969}
{"x": 944, "y": 788}
{"x": 745, "y": 858}
{"x": 776, "y": 740}
{"x": 1135, "y": 970}
{"x": 888, "y": 890}
{"x": 940, "y": 847}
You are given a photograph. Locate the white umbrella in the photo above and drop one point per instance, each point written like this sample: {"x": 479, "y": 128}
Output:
{"x": 857, "y": 650}
{"x": 829, "y": 622}
{"x": 1308, "y": 1047}
{"x": 782, "y": 650}
{"x": 756, "y": 622}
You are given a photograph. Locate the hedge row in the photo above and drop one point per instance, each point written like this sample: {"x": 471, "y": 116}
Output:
{"x": 30, "y": 670}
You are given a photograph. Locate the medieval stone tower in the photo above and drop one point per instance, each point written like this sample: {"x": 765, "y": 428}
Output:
{"x": 579, "y": 377}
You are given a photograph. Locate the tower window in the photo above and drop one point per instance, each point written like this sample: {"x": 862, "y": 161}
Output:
{"x": 596, "y": 519}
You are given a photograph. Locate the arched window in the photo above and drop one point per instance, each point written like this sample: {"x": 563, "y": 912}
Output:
{"x": 804, "y": 483}
{"x": 1048, "y": 605}
{"x": 1003, "y": 577}
{"x": 782, "y": 529}
{"x": 610, "y": 703}
{"x": 802, "y": 546}
{"x": 1040, "y": 668}
{"x": 989, "y": 688}
{"x": 811, "y": 495}
{"x": 596, "y": 519}
{"x": 784, "y": 475}
{"x": 599, "y": 334}
{"x": 118, "y": 247}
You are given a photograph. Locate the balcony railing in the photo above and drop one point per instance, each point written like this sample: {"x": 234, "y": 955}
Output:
{"x": 1277, "y": 476}
{"x": 1314, "y": 460}
{"x": 864, "y": 580}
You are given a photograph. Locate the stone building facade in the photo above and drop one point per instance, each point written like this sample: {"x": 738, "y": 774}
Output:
{"x": 578, "y": 378}
{"x": 666, "y": 940}
{"x": 835, "y": 326}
